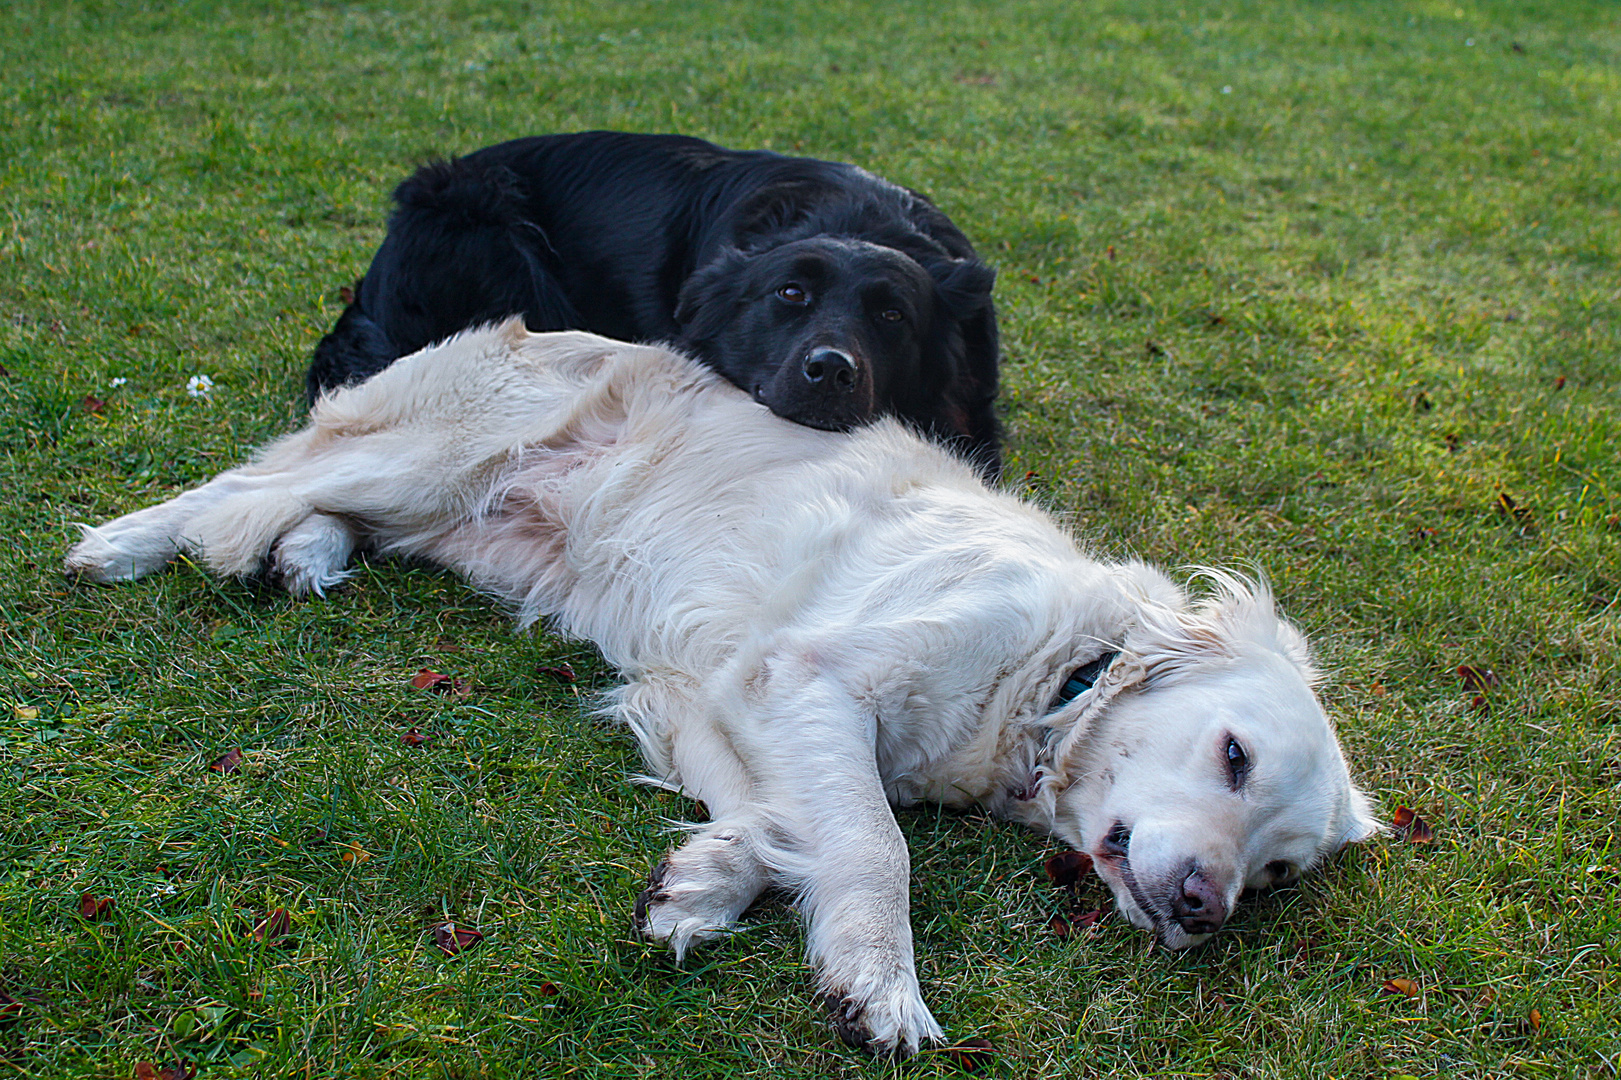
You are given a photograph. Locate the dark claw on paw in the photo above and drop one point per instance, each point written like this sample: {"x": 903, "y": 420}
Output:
{"x": 652, "y": 894}
{"x": 845, "y": 1019}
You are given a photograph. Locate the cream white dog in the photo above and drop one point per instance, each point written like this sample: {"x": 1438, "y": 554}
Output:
{"x": 813, "y": 627}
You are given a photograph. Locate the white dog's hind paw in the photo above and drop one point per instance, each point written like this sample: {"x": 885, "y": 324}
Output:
{"x": 313, "y": 555}
{"x": 106, "y": 555}
{"x": 894, "y": 1023}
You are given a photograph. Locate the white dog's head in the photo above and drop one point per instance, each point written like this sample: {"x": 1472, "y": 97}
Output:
{"x": 1207, "y": 765}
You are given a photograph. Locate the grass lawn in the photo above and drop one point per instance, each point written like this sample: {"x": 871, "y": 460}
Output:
{"x": 1331, "y": 289}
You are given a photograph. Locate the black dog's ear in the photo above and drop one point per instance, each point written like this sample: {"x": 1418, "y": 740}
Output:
{"x": 965, "y": 299}
{"x": 709, "y": 297}
{"x": 965, "y": 284}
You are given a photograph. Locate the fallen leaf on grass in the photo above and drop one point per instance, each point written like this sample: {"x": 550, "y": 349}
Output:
{"x": 972, "y": 1055}
{"x": 548, "y": 989}
{"x": 92, "y": 404}
{"x": 1506, "y": 505}
{"x": 563, "y": 673}
{"x": 1559, "y": 383}
{"x": 1067, "y": 868}
{"x": 1478, "y": 703}
{"x": 227, "y": 763}
{"x": 273, "y": 927}
{"x": 11, "y": 1008}
{"x": 416, "y": 738}
{"x": 440, "y": 683}
{"x": 1404, "y": 987}
{"x": 92, "y": 906}
{"x": 145, "y": 1070}
{"x": 1535, "y": 1019}
{"x": 1478, "y": 679}
{"x": 453, "y": 939}
{"x": 25, "y": 712}
{"x": 1059, "y": 927}
{"x": 1417, "y": 830}
{"x": 353, "y": 852}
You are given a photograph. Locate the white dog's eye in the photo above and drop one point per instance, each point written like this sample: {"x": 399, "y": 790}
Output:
{"x": 1238, "y": 763}
{"x": 1280, "y": 871}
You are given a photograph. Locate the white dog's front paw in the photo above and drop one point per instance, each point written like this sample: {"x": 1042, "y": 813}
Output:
{"x": 313, "y": 555}
{"x": 890, "y": 1021}
{"x": 110, "y": 553}
{"x": 700, "y": 889}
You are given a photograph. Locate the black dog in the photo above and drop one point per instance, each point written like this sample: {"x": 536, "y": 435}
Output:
{"x": 830, "y": 294}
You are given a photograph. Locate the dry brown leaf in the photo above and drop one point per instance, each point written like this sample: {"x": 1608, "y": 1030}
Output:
{"x": 275, "y": 925}
{"x": 972, "y": 1055}
{"x": 1476, "y": 678}
{"x": 145, "y": 1070}
{"x": 227, "y": 763}
{"x": 428, "y": 680}
{"x": 1404, "y": 987}
{"x": 563, "y": 673}
{"x": 354, "y": 853}
{"x": 416, "y": 738}
{"x": 453, "y": 939}
{"x": 92, "y": 906}
{"x": 1067, "y": 868}
{"x": 1085, "y": 920}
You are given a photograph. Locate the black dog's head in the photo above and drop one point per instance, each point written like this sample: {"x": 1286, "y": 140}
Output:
{"x": 831, "y": 332}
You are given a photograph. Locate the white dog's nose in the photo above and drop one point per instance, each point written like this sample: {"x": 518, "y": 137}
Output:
{"x": 1199, "y": 906}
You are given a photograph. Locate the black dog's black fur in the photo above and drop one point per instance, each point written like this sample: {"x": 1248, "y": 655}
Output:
{"x": 830, "y": 294}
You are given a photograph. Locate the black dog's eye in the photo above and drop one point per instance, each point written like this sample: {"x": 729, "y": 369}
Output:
{"x": 1238, "y": 763}
{"x": 891, "y": 315}
{"x": 793, "y": 294}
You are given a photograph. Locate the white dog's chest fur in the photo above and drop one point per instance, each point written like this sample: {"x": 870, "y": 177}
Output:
{"x": 926, "y": 600}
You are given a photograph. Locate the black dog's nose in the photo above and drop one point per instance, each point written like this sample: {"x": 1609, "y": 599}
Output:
{"x": 830, "y": 369}
{"x": 1198, "y": 905}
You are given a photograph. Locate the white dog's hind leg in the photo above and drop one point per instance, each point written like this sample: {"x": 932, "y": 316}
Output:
{"x": 136, "y": 544}
{"x": 313, "y": 555}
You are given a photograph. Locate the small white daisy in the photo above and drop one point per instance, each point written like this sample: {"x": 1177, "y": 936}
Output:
{"x": 1226, "y": 89}
{"x": 120, "y": 381}
{"x": 199, "y": 386}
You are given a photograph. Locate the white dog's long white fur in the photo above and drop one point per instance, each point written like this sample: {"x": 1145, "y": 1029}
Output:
{"x": 812, "y": 626}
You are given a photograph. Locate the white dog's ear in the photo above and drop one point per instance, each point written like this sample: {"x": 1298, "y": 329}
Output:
{"x": 1360, "y": 822}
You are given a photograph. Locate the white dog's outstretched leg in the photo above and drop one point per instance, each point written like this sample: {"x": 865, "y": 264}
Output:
{"x": 812, "y": 754}
{"x": 136, "y": 544}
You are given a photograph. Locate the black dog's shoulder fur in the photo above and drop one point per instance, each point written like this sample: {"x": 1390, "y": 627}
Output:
{"x": 664, "y": 237}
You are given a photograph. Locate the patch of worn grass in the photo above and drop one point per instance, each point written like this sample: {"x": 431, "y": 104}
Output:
{"x": 1311, "y": 288}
